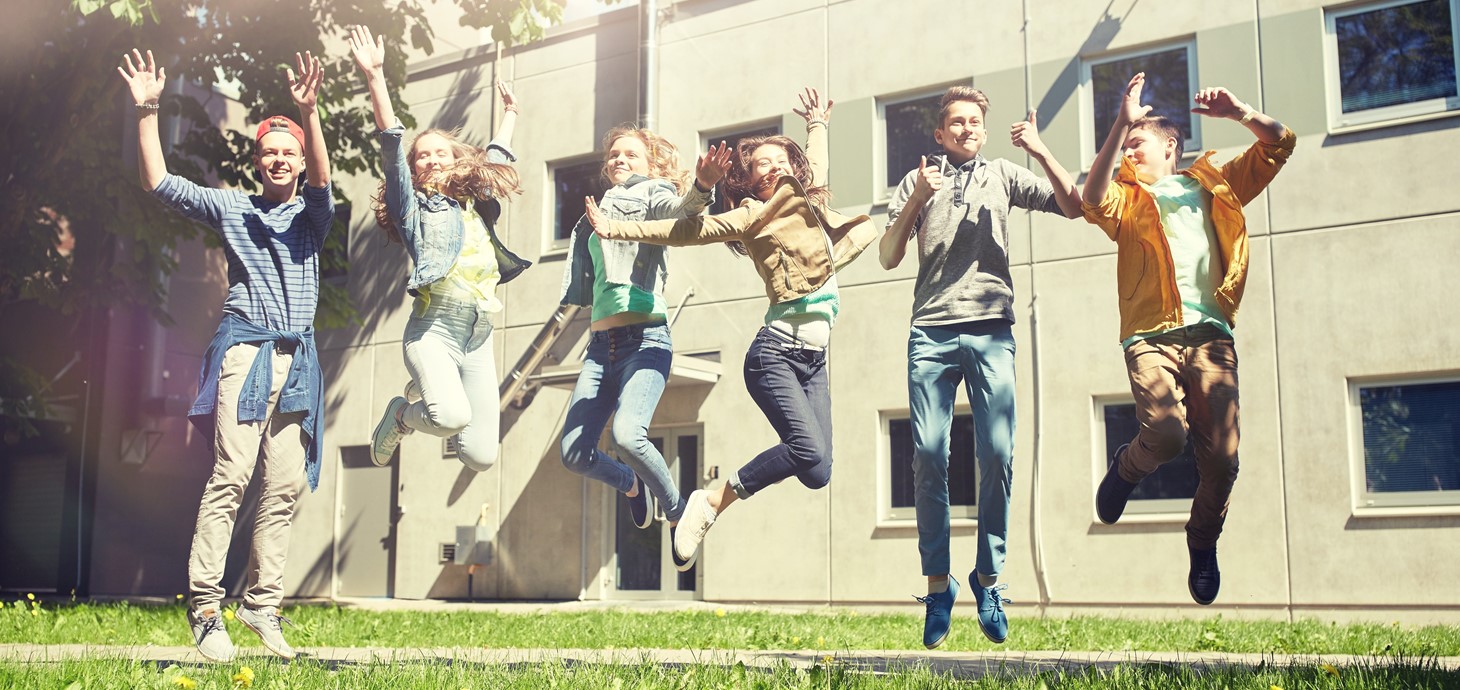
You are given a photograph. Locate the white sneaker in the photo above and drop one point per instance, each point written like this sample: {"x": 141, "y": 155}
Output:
{"x": 697, "y": 520}
{"x": 265, "y": 623}
{"x": 209, "y": 635}
{"x": 388, "y": 433}
{"x": 412, "y": 393}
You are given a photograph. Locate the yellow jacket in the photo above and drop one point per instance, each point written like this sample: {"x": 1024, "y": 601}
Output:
{"x": 1145, "y": 272}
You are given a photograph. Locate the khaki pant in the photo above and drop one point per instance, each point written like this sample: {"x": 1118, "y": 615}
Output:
{"x": 1185, "y": 384}
{"x": 280, "y": 441}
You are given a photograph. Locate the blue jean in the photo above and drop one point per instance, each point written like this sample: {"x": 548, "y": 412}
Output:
{"x": 623, "y": 374}
{"x": 980, "y": 354}
{"x": 790, "y": 385}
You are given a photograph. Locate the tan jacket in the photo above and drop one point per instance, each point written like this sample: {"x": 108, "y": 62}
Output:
{"x": 783, "y": 235}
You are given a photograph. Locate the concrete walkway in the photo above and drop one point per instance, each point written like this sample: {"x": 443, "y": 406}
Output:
{"x": 959, "y": 664}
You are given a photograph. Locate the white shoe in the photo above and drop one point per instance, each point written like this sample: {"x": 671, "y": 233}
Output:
{"x": 697, "y": 520}
{"x": 209, "y": 635}
{"x": 412, "y": 392}
{"x": 265, "y": 622}
{"x": 388, "y": 433}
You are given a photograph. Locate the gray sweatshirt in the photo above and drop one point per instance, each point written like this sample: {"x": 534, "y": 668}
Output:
{"x": 963, "y": 238}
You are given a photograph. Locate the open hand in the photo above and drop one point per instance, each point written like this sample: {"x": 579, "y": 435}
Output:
{"x": 1219, "y": 102}
{"x": 143, "y": 77}
{"x": 509, "y": 99}
{"x": 369, "y": 51}
{"x": 1130, "y": 106}
{"x": 812, "y": 108}
{"x": 595, "y": 215}
{"x": 712, "y": 166}
{"x": 1025, "y": 135}
{"x": 304, "y": 87}
{"x": 929, "y": 180}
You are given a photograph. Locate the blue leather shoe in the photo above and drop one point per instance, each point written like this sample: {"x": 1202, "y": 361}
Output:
{"x": 939, "y": 615}
{"x": 991, "y": 618}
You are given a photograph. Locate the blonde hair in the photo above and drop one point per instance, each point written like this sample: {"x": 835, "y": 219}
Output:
{"x": 470, "y": 176}
{"x": 663, "y": 156}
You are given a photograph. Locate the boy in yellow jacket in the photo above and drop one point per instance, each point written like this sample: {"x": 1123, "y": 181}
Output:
{"x": 1181, "y": 254}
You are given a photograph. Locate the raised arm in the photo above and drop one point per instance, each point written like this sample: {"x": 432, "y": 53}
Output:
{"x": 1104, "y": 166}
{"x": 1025, "y": 135}
{"x": 1251, "y": 171}
{"x": 906, "y": 206}
{"x": 1219, "y": 102}
{"x": 508, "y": 126}
{"x": 815, "y": 114}
{"x": 664, "y": 202}
{"x": 673, "y": 233}
{"x": 304, "y": 89}
{"x": 145, "y": 81}
{"x": 369, "y": 53}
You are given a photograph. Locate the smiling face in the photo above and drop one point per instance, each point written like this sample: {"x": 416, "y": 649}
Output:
{"x": 962, "y": 134}
{"x": 1153, "y": 154}
{"x": 626, "y": 157}
{"x": 767, "y": 164}
{"x": 432, "y": 151}
{"x": 280, "y": 160}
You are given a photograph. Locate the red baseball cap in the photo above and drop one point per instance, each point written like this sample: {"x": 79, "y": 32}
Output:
{"x": 279, "y": 123}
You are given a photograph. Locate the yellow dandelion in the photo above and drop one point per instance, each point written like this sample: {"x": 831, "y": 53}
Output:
{"x": 179, "y": 597}
{"x": 228, "y": 613}
{"x": 34, "y": 612}
{"x": 185, "y": 683}
{"x": 821, "y": 641}
{"x": 720, "y": 613}
{"x": 1274, "y": 687}
{"x": 795, "y": 640}
{"x": 828, "y": 660}
{"x": 30, "y": 597}
{"x": 1330, "y": 670}
{"x": 2, "y": 604}
{"x": 244, "y": 678}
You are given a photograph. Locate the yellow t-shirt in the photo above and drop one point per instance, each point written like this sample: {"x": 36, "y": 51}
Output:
{"x": 475, "y": 275}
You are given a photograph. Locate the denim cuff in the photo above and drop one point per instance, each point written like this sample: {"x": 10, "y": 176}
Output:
{"x": 737, "y": 487}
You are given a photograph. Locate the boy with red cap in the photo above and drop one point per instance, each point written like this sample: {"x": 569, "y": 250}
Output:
{"x": 260, "y": 388}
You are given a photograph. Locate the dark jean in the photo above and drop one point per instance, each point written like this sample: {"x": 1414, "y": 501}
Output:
{"x": 790, "y": 385}
{"x": 624, "y": 374}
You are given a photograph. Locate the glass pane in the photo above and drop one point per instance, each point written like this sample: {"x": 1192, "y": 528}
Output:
{"x": 1395, "y": 55}
{"x": 689, "y": 475}
{"x": 962, "y": 475}
{"x": 910, "y": 126}
{"x": 1175, "y": 479}
{"x": 570, "y": 184}
{"x": 1168, "y": 88}
{"x": 1412, "y": 437}
{"x": 722, "y": 195}
{"x": 639, "y": 550}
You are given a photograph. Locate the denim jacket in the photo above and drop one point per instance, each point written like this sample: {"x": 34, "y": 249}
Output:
{"x": 303, "y": 390}
{"x": 431, "y": 225}
{"x": 629, "y": 263}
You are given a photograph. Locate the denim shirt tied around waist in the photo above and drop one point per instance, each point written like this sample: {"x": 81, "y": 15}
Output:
{"x": 431, "y": 225}
{"x": 303, "y": 390}
{"x": 641, "y": 265}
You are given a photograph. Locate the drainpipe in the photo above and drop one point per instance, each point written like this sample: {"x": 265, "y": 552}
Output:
{"x": 648, "y": 62}
{"x": 1036, "y": 525}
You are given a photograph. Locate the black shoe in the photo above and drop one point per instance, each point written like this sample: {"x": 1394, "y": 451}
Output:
{"x": 641, "y": 507}
{"x": 1205, "y": 579}
{"x": 1114, "y": 492}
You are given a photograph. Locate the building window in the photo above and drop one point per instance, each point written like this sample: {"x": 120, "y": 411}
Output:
{"x": 962, "y": 468}
{"x": 571, "y": 182}
{"x": 907, "y": 133}
{"x": 1410, "y": 435}
{"x": 1170, "y": 84}
{"x": 732, "y": 139}
{"x": 1167, "y": 490}
{"x": 1391, "y": 60}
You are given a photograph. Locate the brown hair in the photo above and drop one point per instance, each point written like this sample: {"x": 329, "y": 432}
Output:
{"x": 738, "y": 178}
{"x": 470, "y": 176}
{"x": 955, "y": 94}
{"x": 1165, "y": 127}
{"x": 663, "y": 156}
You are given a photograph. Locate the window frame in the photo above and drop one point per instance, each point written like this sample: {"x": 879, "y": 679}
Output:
{"x": 1390, "y": 504}
{"x": 887, "y": 515}
{"x": 881, "y": 195}
{"x": 1138, "y": 510}
{"x": 1338, "y": 121}
{"x": 551, "y": 245}
{"x": 1091, "y": 140}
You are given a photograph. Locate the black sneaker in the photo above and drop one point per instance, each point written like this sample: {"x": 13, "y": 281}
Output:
{"x": 1205, "y": 579}
{"x": 641, "y": 507}
{"x": 1114, "y": 492}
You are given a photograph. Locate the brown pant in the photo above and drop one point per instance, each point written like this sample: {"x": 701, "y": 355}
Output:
{"x": 1185, "y": 384}
{"x": 280, "y": 441}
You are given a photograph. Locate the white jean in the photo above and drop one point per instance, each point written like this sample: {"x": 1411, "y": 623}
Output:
{"x": 448, "y": 351}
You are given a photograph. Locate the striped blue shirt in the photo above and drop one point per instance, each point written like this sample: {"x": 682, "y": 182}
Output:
{"x": 272, "y": 248}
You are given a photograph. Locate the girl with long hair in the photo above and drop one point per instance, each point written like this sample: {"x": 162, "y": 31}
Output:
{"x": 798, "y": 244}
{"x": 441, "y": 199}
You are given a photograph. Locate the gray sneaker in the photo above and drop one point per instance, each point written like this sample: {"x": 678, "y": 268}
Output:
{"x": 209, "y": 635}
{"x": 697, "y": 520}
{"x": 388, "y": 433}
{"x": 265, "y": 623}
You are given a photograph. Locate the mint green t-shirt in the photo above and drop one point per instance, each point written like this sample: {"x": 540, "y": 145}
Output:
{"x": 613, "y": 298}
{"x": 1185, "y": 208}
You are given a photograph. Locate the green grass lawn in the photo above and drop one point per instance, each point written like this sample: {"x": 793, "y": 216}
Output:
{"x": 306, "y": 675}
{"x": 121, "y": 623}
